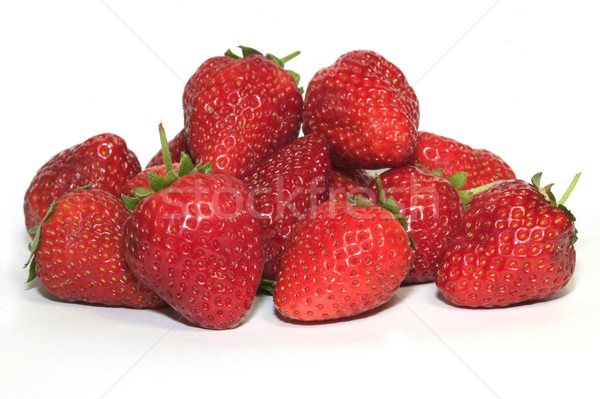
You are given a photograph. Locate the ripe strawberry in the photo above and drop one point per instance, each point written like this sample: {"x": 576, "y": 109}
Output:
{"x": 238, "y": 110}
{"x": 346, "y": 183}
{"x": 481, "y": 166}
{"x": 285, "y": 185}
{"x": 366, "y": 109}
{"x": 433, "y": 210}
{"x": 342, "y": 262}
{"x": 103, "y": 161}
{"x": 177, "y": 146}
{"x": 78, "y": 253}
{"x": 515, "y": 244}
{"x": 196, "y": 244}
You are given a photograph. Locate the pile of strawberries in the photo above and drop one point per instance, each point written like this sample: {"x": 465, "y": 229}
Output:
{"x": 330, "y": 223}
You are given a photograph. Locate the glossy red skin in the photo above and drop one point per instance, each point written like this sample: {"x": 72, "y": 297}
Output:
{"x": 345, "y": 183}
{"x": 177, "y": 146}
{"x": 433, "y": 210}
{"x": 513, "y": 246}
{"x": 198, "y": 247}
{"x": 102, "y": 161}
{"x": 343, "y": 262}
{"x": 482, "y": 166}
{"x": 141, "y": 179}
{"x": 366, "y": 109}
{"x": 285, "y": 186}
{"x": 239, "y": 111}
{"x": 80, "y": 255}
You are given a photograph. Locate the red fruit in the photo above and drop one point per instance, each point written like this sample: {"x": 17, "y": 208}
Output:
{"x": 285, "y": 186}
{"x": 433, "y": 210}
{"x": 344, "y": 261}
{"x": 514, "y": 245}
{"x": 481, "y": 166}
{"x": 345, "y": 183}
{"x": 141, "y": 179}
{"x": 198, "y": 247}
{"x": 238, "y": 110}
{"x": 102, "y": 161}
{"x": 177, "y": 145}
{"x": 78, "y": 255}
{"x": 366, "y": 109}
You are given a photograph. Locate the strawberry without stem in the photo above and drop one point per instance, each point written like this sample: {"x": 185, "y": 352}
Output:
{"x": 284, "y": 187}
{"x": 450, "y": 156}
{"x": 342, "y": 262}
{"x": 238, "y": 110}
{"x": 103, "y": 161}
{"x": 366, "y": 109}
{"x": 515, "y": 244}
{"x": 78, "y": 252}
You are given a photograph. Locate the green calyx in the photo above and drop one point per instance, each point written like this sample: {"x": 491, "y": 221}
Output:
{"x": 266, "y": 286}
{"x": 388, "y": 203}
{"x": 546, "y": 191}
{"x": 458, "y": 180}
{"x": 37, "y": 233}
{"x": 246, "y": 51}
{"x": 158, "y": 182}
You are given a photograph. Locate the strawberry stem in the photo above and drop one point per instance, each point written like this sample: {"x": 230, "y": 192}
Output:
{"x": 165, "y": 148}
{"x": 567, "y": 193}
{"x": 290, "y": 56}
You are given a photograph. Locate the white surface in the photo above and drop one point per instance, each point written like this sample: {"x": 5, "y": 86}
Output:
{"x": 518, "y": 78}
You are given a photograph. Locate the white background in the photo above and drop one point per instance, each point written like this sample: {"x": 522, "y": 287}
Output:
{"x": 518, "y": 78}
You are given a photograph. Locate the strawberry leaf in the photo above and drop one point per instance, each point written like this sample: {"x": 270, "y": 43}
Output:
{"x": 458, "y": 179}
{"x": 34, "y": 244}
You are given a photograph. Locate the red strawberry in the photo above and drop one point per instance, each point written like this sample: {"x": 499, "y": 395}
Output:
{"x": 342, "y": 262}
{"x": 196, "y": 244}
{"x": 78, "y": 252}
{"x": 177, "y": 146}
{"x": 102, "y": 161}
{"x": 284, "y": 186}
{"x": 433, "y": 209}
{"x": 366, "y": 109}
{"x": 238, "y": 110}
{"x": 481, "y": 166}
{"x": 346, "y": 183}
{"x": 515, "y": 244}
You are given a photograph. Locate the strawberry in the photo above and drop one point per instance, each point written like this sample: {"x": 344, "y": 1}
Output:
{"x": 433, "y": 209}
{"x": 346, "y": 183}
{"x": 103, "y": 161}
{"x": 177, "y": 146}
{"x": 195, "y": 243}
{"x": 238, "y": 110}
{"x": 77, "y": 252}
{"x": 451, "y": 156}
{"x": 366, "y": 109}
{"x": 342, "y": 262}
{"x": 515, "y": 244}
{"x": 284, "y": 186}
